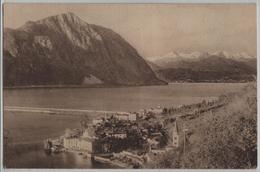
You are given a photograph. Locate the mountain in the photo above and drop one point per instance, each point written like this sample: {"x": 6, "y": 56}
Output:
{"x": 206, "y": 67}
{"x": 153, "y": 66}
{"x": 65, "y": 50}
{"x": 171, "y": 59}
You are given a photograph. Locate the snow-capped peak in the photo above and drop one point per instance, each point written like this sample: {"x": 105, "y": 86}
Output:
{"x": 221, "y": 54}
{"x": 190, "y": 55}
{"x": 176, "y": 56}
{"x": 243, "y": 55}
{"x": 171, "y": 55}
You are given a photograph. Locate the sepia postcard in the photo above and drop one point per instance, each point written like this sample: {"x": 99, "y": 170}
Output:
{"x": 129, "y": 86}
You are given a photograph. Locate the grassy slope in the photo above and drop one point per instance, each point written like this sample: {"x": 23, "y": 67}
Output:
{"x": 223, "y": 138}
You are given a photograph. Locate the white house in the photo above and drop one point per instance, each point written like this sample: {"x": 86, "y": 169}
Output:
{"x": 97, "y": 121}
{"x": 157, "y": 110}
{"x": 126, "y": 116}
{"x": 132, "y": 117}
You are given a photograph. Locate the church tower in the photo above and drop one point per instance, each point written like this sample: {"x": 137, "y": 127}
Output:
{"x": 175, "y": 135}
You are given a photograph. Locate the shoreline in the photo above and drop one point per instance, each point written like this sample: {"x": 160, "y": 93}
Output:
{"x": 110, "y": 162}
{"x": 108, "y": 85}
{"x": 79, "y": 86}
{"x": 59, "y": 111}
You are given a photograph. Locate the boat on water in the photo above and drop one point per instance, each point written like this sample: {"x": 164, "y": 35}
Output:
{"x": 47, "y": 144}
{"x": 51, "y": 146}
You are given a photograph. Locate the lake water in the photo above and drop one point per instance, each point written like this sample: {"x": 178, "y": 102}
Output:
{"x": 121, "y": 99}
{"x": 40, "y": 159}
{"x": 30, "y": 128}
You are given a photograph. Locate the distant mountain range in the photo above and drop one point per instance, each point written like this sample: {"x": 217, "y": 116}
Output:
{"x": 205, "y": 67}
{"x": 65, "y": 50}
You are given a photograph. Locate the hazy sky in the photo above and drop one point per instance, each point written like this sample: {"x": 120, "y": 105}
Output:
{"x": 155, "y": 30}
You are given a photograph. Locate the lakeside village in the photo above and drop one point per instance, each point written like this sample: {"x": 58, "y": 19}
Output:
{"x": 131, "y": 140}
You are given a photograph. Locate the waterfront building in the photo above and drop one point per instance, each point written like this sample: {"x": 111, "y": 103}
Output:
{"x": 157, "y": 110}
{"x": 132, "y": 117}
{"x": 123, "y": 117}
{"x": 84, "y": 142}
{"x": 126, "y": 116}
{"x": 79, "y": 144}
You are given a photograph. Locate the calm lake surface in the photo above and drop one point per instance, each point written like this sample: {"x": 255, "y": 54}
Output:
{"x": 33, "y": 128}
{"x": 121, "y": 99}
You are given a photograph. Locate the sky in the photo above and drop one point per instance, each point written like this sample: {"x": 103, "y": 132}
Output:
{"x": 157, "y": 29}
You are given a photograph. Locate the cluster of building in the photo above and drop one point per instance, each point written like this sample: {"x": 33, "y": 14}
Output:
{"x": 117, "y": 133}
{"x": 83, "y": 140}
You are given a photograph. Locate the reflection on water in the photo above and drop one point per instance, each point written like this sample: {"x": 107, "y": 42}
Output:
{"x": 41, "y": 159}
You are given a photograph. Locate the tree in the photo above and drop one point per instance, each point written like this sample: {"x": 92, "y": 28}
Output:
{"x": 84, "y": 122}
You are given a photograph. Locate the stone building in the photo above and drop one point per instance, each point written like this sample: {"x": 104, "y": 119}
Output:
{"x": 84, "y": 142}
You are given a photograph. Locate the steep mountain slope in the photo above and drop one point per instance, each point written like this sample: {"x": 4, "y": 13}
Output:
{"x": 153, "y": 66}
{"x": 65, "y": 50}
{"x": 206, "y": 67}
